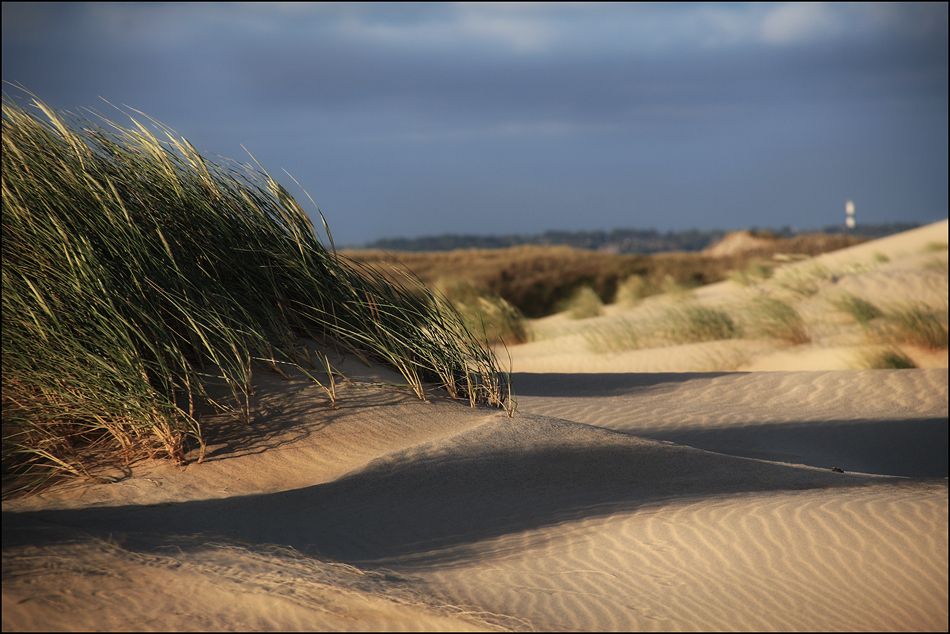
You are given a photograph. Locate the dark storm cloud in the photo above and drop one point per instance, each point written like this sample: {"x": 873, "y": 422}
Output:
{"x": 324, "y": 71}
{"x": 699, "y": 115}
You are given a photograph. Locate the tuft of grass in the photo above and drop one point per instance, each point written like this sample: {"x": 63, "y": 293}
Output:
{"x": 330, "y": 388}
{"x": 678, "y": 289}
{"x": 484, "y": 313}
{"x": 937, "y": 264}
{"x": 727, "y": 360}
{"x": 633, "y": 290}
{"x": 693, "y": 323}
{"x": 689, "y": 323}
{"x": 775, "y": 319}
{"x": 802, "y": 281}
{"x": 756, "y": 273}
{"x": 137, "y": 273}
{"x": 623, "y": 335}
{"x": 860, "y": 309}
{"x": 889, "y": 359}
{"x": 584, "y": 303}
{"x": 915, "y": 324}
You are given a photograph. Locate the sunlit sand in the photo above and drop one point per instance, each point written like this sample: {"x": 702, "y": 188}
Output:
{"x": 724, "y": 485}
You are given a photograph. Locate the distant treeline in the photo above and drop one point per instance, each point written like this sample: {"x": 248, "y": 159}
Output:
{"x": 639, "y": 241}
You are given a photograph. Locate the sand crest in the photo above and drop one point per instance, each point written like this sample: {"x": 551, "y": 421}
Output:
{"x": 612, "y": 500}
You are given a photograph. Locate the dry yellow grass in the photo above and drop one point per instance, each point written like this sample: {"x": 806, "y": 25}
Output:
{"x": 536, "y": 280}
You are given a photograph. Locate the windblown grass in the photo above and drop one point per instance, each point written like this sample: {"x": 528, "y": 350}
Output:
{"x": 694, "y": 323}
{"x": 888, "y": 359}
{"x": 136, "y": 273}
{"x": 688, "y": 323}
{"x": 772, "y": 318}
{"x": 485, "y": 313}
{"x": 756, "y": 273}
{"x": 915, "y": 324}
{"x": 803, "y": 281}
{"x": 617, "y": 337}
{"x": 633, "y": 290}
{"x": 860, "y": 309}
{"x": 930, "y": 247}
{"x": 583, "y": 303}
{"x": 937, "y": 264}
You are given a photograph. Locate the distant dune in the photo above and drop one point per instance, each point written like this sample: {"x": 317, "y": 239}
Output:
{"x": 819, "y": 296}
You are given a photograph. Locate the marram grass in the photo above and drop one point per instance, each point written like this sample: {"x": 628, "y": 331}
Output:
{"x": 484, "y": 313}
{"x": 583, "y": 303}
{"x": 136, "y": 273}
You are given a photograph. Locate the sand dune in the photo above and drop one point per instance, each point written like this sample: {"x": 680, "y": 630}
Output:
{"x": 822, "y": 419}
{"x": 892, "y": 272}
{"x": 612, "y": 500}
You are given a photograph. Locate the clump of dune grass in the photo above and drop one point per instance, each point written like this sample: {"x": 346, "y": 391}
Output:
{"x": 755, "y": 273}
{"x": 860, "y": 309}
{"x": 802, "y": 280}
{"x": 584, "y": 303}
{"x": 636, "y": 288}
{"x": 773, "y": 318}
{"x": 677, "y": 289}
{"x": 915, "y": 324}
{"x": 616, "y": 337}
{"x": 888, "y": 359}
{"x": 688, "y": 323}
{"x": 632, "y": 290}
{"x": 937, "y": 264}
{"x": 694, "y": 323}
{"x": 137, "y": 273}
{"x": 484, "y": 313}
{"x": 721, "y": 359}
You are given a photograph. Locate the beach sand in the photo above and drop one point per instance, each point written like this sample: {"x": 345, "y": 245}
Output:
{"x": 634, "y": 490}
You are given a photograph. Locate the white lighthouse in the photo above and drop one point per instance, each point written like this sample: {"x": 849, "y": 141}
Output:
{"x": 849, "y": 214}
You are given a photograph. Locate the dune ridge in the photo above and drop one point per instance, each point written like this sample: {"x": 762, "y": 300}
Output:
{"x": 538, "y": 523}
{"x": 831, "y": 419}
{"x": 611, "y": 500}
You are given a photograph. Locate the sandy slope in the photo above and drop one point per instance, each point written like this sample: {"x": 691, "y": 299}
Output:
{"x": 892, "y": 272}
{"x": 612, "y": 500}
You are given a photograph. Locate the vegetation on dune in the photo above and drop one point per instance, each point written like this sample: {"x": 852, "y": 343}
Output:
{"x": 915, "y": 324}
{"x": 860, "y": 309}
{"x": 137, "y": 274}
{"x": 539, "y": 280}
{"x": 772, "y": 318}
{"x": 582, "y": 304}
{"x": 887, "y": 359}
{"x": 617, "y": 337}
{"x": 690, "y": 322}
{"x": 694, "y": 323}
{"x": 484, "y": 313}
{"x": 755, "y": 273}
{"x": 633, "y": 290}
{"x": 535, "y": 280}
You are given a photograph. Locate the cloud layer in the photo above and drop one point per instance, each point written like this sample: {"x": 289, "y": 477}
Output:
{"x": 412, "y": 119}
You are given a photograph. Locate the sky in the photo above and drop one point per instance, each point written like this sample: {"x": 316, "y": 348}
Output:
{"x": 403, "y": 120}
